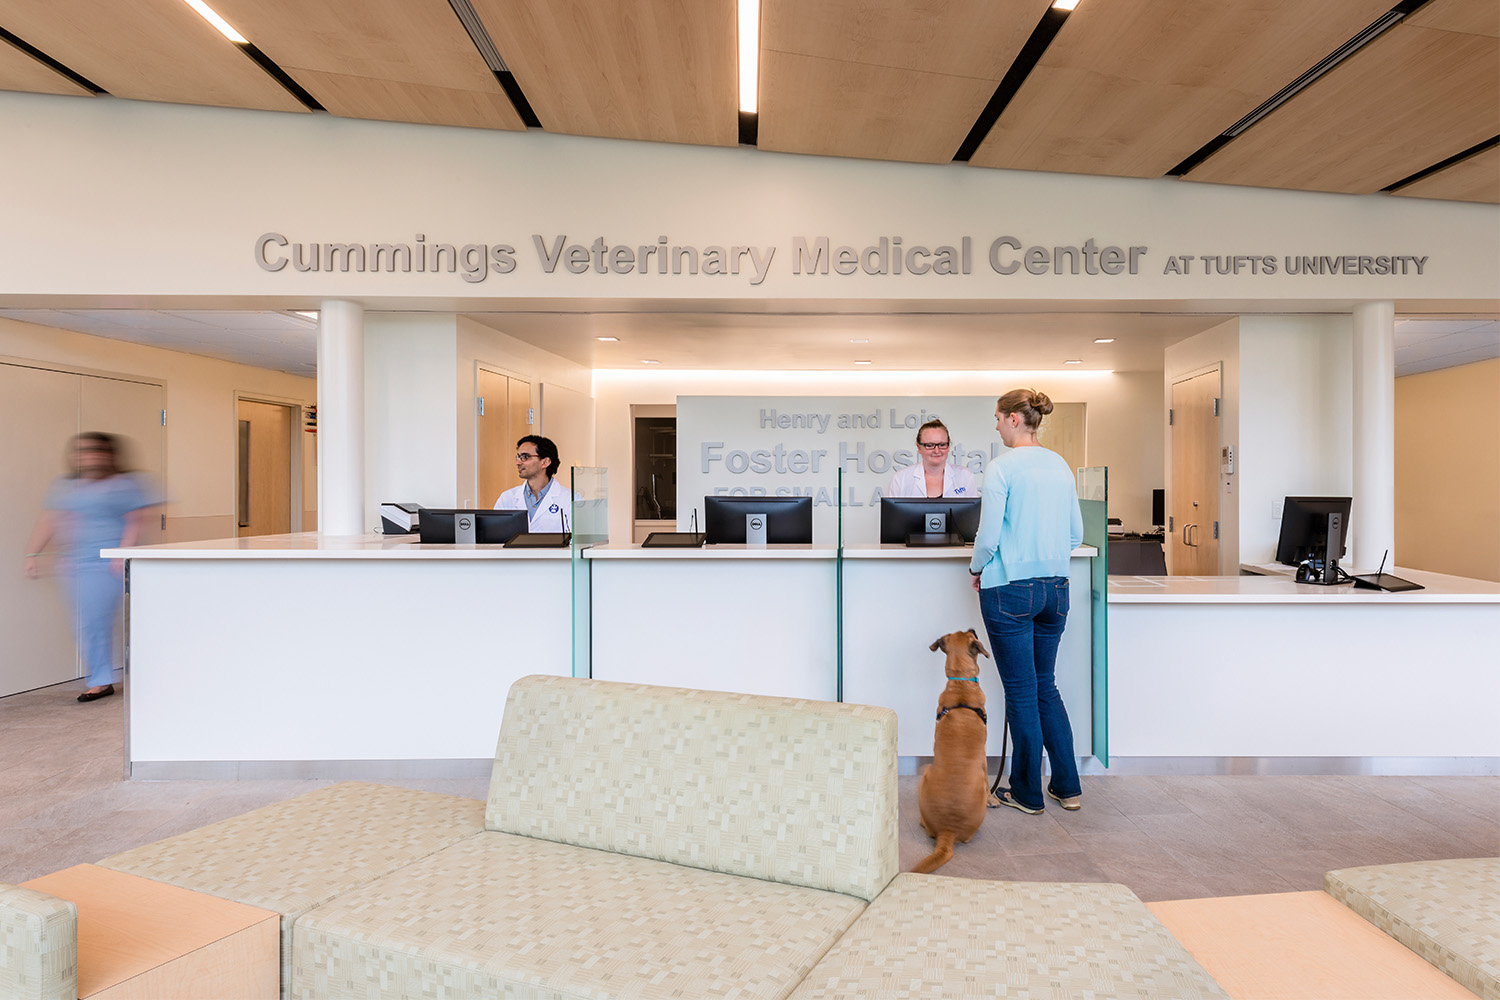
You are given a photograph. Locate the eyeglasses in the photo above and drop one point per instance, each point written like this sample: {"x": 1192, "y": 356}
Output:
{"x": 932, "y": 445}
{"x": 521, "y": 456}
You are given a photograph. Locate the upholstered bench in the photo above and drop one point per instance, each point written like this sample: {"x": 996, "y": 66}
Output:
{"x": 293, "y": 855}
{"x": 930, "y": 936}
{"x": 1448, "y": 912}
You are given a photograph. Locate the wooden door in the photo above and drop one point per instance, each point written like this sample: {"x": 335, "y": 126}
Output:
{"x": 263, "y": 476}
{"x": 38, "y": 417}
{"x": 132, "y": 411}
{"x": 504, "y": 408}
{"x": 1193, "y": 546}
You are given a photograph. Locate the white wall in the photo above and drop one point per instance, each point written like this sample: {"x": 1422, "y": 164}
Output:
{"x": 201, "y": 419}
{"x": 1296, "y": 393}
{"x": 1123, "y": 414}
{"x": 157, "y": 222}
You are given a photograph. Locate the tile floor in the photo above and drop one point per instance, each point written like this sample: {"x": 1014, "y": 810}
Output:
{"x": 64, "y": 801}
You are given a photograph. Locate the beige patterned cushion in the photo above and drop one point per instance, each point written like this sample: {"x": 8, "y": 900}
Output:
{"x": 930, "y": 936}
{"x": 291, "y": 856}
{"x": 38, "y": 945}
{"x": 1446, "y": 911}
{"x": 505, "y": 916}
{"x": 795, "y": 791}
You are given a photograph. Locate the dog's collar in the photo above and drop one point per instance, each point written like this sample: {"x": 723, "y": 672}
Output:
{"x": 974, "y": 679}
{"x": 977, "y": 711}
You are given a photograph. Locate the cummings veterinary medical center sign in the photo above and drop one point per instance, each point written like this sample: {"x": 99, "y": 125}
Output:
{"x": 802, "y": 256}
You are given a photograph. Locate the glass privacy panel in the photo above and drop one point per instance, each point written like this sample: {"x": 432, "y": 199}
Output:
{"x": 590, "y": 522}
{"x": 1096, "y": 533}
{"x": 1093, "y": 483}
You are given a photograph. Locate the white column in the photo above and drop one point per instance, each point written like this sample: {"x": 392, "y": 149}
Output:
{"x": 341, "y": 418}
{"x": 1373, "y": 517}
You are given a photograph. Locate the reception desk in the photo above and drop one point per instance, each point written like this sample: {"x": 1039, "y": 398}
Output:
{"x": 313, "y": 656}
{"x": 1263, "y": 674}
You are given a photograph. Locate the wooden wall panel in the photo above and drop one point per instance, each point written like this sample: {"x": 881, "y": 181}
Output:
{"x": 148, "y": 50}
{"x": 1474, "y": 179}
{"x": 883, "y": 79}
{"x": 662, "y": 70}
{"x": 1409, "y": 99}
{"x": 19, "y": 71}
{"x": 1134, "y": 87}
{"x": 395, "y": 60}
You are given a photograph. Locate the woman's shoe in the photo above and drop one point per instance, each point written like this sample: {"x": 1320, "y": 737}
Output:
{"x": 1006, "y": 800}
{"x": 103, "y": 692}
{"x": 1072, "y": 803}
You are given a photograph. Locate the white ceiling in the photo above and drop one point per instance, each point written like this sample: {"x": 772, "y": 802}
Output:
{"x": 284, "y": 341}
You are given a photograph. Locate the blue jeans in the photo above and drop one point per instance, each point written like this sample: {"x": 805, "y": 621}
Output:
{"x": 1025, "y": 622}
{"x": 96, "y": 593}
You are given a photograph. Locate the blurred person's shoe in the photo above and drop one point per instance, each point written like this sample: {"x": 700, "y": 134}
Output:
{"x": 103, "y": 692}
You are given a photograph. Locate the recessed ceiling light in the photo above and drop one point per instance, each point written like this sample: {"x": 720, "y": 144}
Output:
{"x": 649, "y": 361}
{"x": 212, "y": 17}
{"x": 608, "y": 340}
{"x": 1073, "y": 361}
{"x": 749, "y": 55}
{"x": 1105, "y": 340}
{"x": 859, "y": 340}
{"x": 306, "y": 314}
{"x": 862, "y": 362}
{"x": 1064, "y": 4}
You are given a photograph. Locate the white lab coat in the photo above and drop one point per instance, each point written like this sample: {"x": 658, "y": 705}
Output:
{"x": 912, "y": 482}
{"x": 554, "y": 513}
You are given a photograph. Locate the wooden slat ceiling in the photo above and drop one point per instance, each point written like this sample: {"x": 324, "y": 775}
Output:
{"x": 1476, "y": 178}
{"x": 1126, "y": 87}
{"x": 1134, "y": 87}
{"x": 1413, "y": 97}
{"x": 884, "y": 79}
{"x": 395, "y": 60}
{"x": 18, "y": 71}
{"x": 147, "y": 50}
{"x": 625, "y": 69}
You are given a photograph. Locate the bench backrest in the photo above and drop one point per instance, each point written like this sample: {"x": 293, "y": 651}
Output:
{"x": 794, "y": 791}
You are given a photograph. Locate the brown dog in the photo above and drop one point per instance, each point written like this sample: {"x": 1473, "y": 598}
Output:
{"x": 955, "y": 787}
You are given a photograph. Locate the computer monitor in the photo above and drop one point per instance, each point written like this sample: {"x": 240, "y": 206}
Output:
{"x": 1158, "y": 508}
{"x": 1304, "y": 530}
{"x": 443, "y": 525}
{"x": 788, "y": 519}
{"x": 928, "y": 520}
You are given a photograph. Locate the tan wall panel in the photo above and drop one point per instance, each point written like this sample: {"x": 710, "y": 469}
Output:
{"x": 1474, "y": 179}
{"x": 834, "y": 108}
{"x": 663, "y": 70}
{"x": 149, "y": 50}
{"x": 1409, "y": 99}
{"x": 391, "y": 100}
{"x": 18, "y": 71}
{"x": 1472, "y": 17}
{"x": 1134, "y": 87}
{"x": 1448, "y": 470}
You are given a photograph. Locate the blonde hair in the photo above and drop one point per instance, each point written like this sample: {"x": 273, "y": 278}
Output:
{"x": 1030, "y": 404}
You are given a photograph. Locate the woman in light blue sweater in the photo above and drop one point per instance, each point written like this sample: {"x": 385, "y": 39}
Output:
{"x": 1029, "y": 525}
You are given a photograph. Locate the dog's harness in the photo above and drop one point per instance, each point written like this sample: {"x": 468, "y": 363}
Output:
{"x": 977, "y": 711}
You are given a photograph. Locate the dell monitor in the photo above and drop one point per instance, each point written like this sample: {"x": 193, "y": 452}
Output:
{"x": 778, "y": 520}
{"x": 446, "y": 526}
{"x": 1158, "y": 508}
{"x": 1313, "y": 532}
{"x": 916, "y": 521}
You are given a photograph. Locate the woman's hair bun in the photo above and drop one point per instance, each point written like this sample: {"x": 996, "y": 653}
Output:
{"x": 1040, "y": 402}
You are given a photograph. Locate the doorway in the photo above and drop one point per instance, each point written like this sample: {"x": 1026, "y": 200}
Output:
{"x": 1193, "y": 518}
{"x": 263, "y": 467}
{"x": 505, "y": 416}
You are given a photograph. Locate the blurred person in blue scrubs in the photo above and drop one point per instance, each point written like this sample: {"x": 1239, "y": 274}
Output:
{"x": 100, "y": 505}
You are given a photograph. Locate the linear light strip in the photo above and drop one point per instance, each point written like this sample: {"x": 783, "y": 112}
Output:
{"x": 1026, "y": 60}
{"x": 212, "y": 17}
{"x": 750, "y": 56}
{"x": 836, "y": 374}
{"x": 49, "y": 62}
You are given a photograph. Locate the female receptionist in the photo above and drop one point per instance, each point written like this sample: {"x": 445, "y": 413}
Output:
{"x": 933, "y": 475}
{"x": 547, "y": 502}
